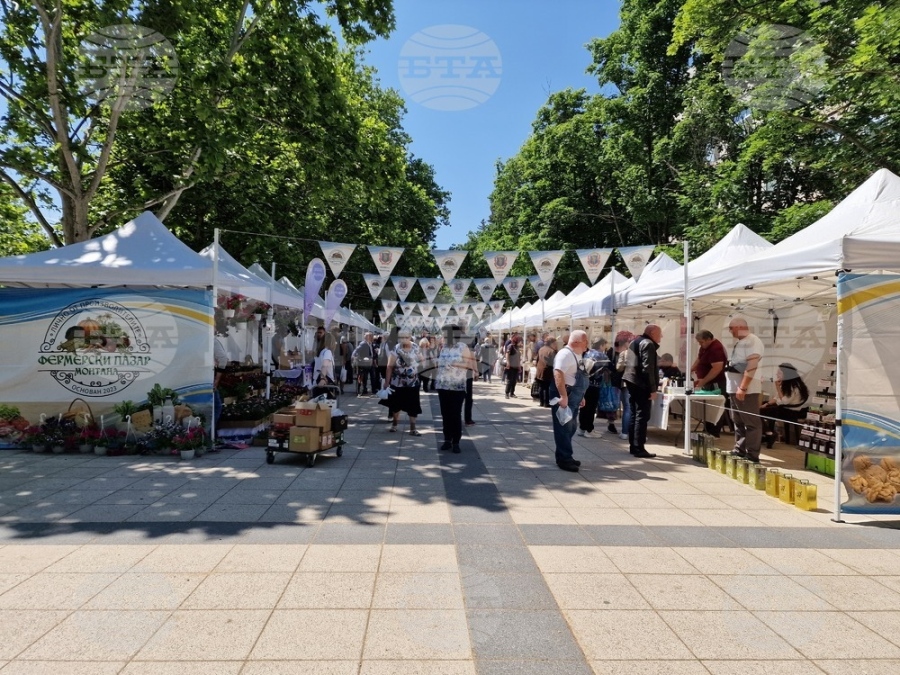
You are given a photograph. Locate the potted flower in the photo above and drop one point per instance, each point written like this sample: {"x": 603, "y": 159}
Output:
{"x": 232, "y": 304}
{"x": 89, "y": 434}
{"x": 34, "y": 436}
{"x": 260, "y": 309}
{"x": 189, "y": 441}
{"x": 161, "y": 435}
{"x": 101, "y": 443}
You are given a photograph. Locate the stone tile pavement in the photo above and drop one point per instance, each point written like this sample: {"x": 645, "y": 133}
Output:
{"x": 399, "y": 559}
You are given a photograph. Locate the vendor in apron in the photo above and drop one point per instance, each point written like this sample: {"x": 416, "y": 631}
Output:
{"x": 567, "y": 391}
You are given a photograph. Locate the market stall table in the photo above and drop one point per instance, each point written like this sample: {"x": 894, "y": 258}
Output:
{"x": 704, "y": 408}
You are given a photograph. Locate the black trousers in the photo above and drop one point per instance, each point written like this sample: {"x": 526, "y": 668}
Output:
{"x": 640, "y": 416}
{"x": 467, "y": 407}
{"x": 369, "y": 374}
{"x": 451, "y": 403}
{"x": 588, "y": 412}
{"x": 544, "y": 398}
{"x": 511, "y": 375}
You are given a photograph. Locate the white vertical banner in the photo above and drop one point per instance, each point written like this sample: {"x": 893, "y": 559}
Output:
{"x": 403, "y": 285}
{"x": 389, "y": 306}
{"x": 461, "y": 308}
{"x": 315, "y": 277}
{"x": 545, "y": 262}
{"x": 514, "y": 286}
{"x": 449, "y": 262}
{"x": 458, "y": 288}
{"x": 385, "y": 258}
{"x": 443, "y": 309}
{"x": 593, "y": 260}
{"x": 500, "y": 263}
{"x": 425, "y": 308}
{"x": 479, "y": 308}
{"x": 636, "y": 258}
{"x": 485, "y": 288}
{"x": 431, "y": 287}
{"x": 383, "y": 315}
{"x": 540, "y": 286}
{"x": 408, "y": 307}
{"x": 336, "y": 255}
{"x": 374, "y": 283}
{"x": 333, "y": 299}
{"x": 496, "y": 307}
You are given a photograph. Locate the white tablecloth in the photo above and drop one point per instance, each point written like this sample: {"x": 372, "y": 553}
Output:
{"x": 703, "y": 408}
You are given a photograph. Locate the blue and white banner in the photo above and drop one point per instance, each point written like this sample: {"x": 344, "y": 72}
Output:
{"x": 333, "y": 299}
{"x": 104, "y": 346}
{"x": 315, "y": 277}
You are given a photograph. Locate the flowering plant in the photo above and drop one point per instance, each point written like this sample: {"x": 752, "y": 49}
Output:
{"x": 33, "y": 435}
{"x": 161, "y": 435}
{"x": 262, "y": 308}
{"x": 234, "y": 301}
{"x": 90, "y": 434}
{"x": 189, "y": 439}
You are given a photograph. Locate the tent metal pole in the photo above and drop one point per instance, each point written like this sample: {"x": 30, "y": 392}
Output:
{"x": 688, "y": 335}
{"x": 267, "y": 343}
{"x": 212, "y": 333}
{"x": 838, "y": 417}
{"x": 612, "y": 308}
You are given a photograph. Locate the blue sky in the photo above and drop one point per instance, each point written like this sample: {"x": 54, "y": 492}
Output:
{"x": 542, "y": 49}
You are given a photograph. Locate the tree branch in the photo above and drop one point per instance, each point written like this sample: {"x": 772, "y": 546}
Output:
{"x": 45, "y": 123}
{"x": 33, "y": 207}
{"x": 52, "y": 40}
{"x": 109, "y": 217}
{"x": 37, "y": 174}
{"x": 879, "y": 161}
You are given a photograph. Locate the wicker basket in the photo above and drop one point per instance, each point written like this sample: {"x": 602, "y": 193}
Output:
{"x": 80, "y": 411}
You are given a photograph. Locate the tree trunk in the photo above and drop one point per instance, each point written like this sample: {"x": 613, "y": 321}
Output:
{"x": 74, "y": 220}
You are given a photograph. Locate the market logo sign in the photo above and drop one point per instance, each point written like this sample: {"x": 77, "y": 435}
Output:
{"x": 99, "y": 348}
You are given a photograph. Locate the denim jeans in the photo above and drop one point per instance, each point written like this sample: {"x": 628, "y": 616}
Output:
{"x": 563, "y": 433}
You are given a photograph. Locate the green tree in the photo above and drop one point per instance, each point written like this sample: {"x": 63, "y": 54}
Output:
{"x": 241, "y": 62}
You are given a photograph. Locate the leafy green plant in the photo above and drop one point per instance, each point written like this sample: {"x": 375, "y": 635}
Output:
{"x": 125, "y": 409}
{"x": 158, "y": 395}
{"x": 8, "y": 412}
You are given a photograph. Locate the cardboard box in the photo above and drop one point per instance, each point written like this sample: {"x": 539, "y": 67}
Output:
{"x": 304, "y": 439}
{"x": 326, "y": 441}
{"x": 312, "y": 415}
{"x": 284, "y": 416}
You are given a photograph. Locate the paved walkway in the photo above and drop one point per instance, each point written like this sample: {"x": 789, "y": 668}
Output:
{"x": 398, "y": 559}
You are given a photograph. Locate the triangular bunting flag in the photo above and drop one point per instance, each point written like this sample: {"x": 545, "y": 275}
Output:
{"x": 513, "y": 286}
{"x": 448, "y": 262}
{"x": 443, "y": 309}
{"x": 374, "y": 283}
{"x": 636, "y": 258}
{"x": 431, "y": 287}
{"x": 485, "y": 288}
{"x": 593, "y": 260}
{"x": 385, "y": 258}
{"x": 458, "y": 288}
{"x": 425, "y": 308}
{"x": 500, "y": 262}
{"x": 461, "y": 308}
{"x": 336, "y": 255}
{"x": 540, "y": 286}
{"x": 389, "y": 306}
{"x": 408, "y": 307}
{"x": 403, "y": 285}
{"x": 479, "y": 308}
{"x": 545, "y": 263}
{"x": 496, "y": 307}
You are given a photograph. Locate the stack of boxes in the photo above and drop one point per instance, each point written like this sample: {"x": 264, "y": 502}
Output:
{"x": 308, "y": 427}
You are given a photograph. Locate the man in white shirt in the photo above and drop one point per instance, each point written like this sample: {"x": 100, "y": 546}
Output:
{"x": 744, "y": 386}
{"x": 568, "y": 386}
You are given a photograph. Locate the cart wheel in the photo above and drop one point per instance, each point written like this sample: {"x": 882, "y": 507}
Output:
{"x": 340, "y": 451}
{"x": 270, "y": 458}
{"x": 310, "y": 460}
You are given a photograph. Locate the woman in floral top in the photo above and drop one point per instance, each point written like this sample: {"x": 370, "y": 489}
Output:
{"x": 403, "y": 376}
{"x": 454, "y": 362}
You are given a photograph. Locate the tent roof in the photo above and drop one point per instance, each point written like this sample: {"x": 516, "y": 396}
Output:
{"x": 143, "y": 252}
{"x": 803, "y": 265}
{"x": 739, "y": 244}
{"x": 555, "y": 307}
{"x": 595, "y": 302}
{"x": 232, "y": 276}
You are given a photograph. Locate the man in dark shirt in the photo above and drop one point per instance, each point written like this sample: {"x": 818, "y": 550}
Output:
{"x": 709, "y": 371}
{"x": 642, "y": 379}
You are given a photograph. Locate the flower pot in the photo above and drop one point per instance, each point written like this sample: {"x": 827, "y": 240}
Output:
{"x": 86, "y": 448}
{"x": 187, "y": 454}
{"x": 38, "y": 447}
{"x": 100, "y": 450}
{"x": 228, "y": 313}
{"x": 58, "y": 449}
{"x": 198, "y": 452}
{"x": 257, "y": 317}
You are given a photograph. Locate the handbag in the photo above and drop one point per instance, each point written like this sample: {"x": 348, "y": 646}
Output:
{"x": 536, "y": 389}
{"x": 503, "y": 361}
{"x": 609, "y": 398}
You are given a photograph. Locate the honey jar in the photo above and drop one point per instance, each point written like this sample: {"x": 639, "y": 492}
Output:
{"x": 786, "y": 488}
{"x": 805, "y": 495}
{"x": 772, "y": 478}
{"x": 757, "y": 474}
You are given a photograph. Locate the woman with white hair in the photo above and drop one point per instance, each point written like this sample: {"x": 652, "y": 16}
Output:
{"x": 402, "y": 375}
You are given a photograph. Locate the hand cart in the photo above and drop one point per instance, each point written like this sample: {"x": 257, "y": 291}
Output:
{"x": 279, "y": 442}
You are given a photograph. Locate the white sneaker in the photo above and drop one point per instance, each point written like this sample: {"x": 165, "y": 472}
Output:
{"x": 581, "y": 432}
{"x": 624, "y": 437}
{"x": 591, "y": 434}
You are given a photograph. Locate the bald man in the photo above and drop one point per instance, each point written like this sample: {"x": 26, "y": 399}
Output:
{"x": 744, "y": 387}
{"x": 642, "y": 380}
{"x": 568, "y": 385}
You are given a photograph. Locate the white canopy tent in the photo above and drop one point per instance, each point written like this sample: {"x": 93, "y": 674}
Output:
{"x": 555, "y": 307}
{"x": 234, "y": 277}
{"x": 595, "y": 302}
{"x": 143, "y": 252}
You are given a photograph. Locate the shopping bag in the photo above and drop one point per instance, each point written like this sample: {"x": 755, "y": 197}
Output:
{"x": 609, "y": 398}
{"x": 536, "y": 389}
